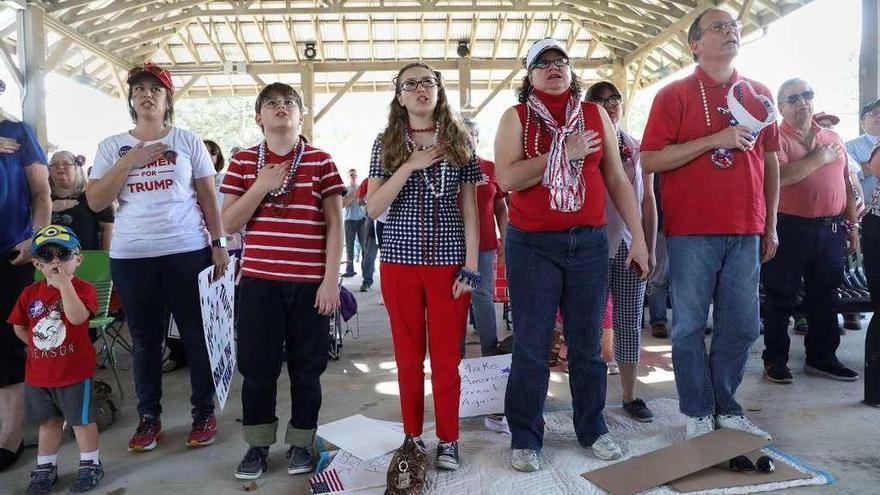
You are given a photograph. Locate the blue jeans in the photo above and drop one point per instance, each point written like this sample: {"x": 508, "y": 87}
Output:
{"x": 546, "y": 270}
{"x": 371, "y": 249}
{"x": 726, "y": 269}
{"x": 146, "y": 287}
{"x": 658, "y": 287}
{"x": 483, "y": 305}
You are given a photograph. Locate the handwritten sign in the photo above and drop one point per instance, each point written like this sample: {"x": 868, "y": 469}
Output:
{"x": 358, "y": 474}
{"x": 483, "y": 384}
{"x": 217, "y": 302}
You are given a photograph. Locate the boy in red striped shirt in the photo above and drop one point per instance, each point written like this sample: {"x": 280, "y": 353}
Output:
{"x": 287, "y": 195}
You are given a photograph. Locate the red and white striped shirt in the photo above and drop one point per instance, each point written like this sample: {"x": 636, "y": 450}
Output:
{"x": 286, "y": 237}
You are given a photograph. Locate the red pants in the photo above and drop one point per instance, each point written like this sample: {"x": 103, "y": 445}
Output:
{"x": 416, "y": 295}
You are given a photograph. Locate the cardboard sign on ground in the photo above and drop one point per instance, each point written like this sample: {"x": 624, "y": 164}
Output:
{"x": 720, "y": 477}
{"x": 689, "y": 456}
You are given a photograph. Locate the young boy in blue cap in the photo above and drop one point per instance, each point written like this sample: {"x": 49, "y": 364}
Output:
{"x": 52, "y": 318}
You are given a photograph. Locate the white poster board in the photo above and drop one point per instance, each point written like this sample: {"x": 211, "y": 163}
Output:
{"x": 483, "y": 384}
{"x": 217, "y": 302}
{"x": 363, "y": 437}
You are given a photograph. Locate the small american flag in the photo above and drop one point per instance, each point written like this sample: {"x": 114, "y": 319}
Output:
{"x": 326, "y": 482}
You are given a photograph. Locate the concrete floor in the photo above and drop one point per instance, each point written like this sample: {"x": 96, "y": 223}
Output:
{"x": 819, "y": 420}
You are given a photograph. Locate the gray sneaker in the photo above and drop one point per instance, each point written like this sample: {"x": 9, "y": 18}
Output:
{"x": 525, "y": 460}
{"x": 253, "y": 465}
{"x": 300, "y": 460}
{"x": 606, "y": 448}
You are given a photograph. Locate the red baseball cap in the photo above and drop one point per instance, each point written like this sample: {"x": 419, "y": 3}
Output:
{"x": 161, "y": 75}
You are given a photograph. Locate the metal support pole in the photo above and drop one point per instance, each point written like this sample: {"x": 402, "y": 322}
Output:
{"x": 464, "y": 83}
{"x": 869, "y": 55}
{"x": 307, "y": 81}
{"x": 618, "y": 76}
{"x": 32, "y": 61}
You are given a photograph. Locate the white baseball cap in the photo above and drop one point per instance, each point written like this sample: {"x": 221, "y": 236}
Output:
{"x": 542, "y": 46}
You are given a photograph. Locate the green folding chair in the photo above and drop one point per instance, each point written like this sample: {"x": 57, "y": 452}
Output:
{"x": 95, "y": 269}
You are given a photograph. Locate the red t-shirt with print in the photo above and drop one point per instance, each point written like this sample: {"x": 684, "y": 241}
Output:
{"x": 59, "y": 353}
{"x": 286, "y": 237}
{"x": 699, "y": 198}
{"x": 487, "y": 193}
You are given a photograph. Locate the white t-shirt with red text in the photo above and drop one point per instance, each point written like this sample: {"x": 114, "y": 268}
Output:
{"x": 158, "y": 212}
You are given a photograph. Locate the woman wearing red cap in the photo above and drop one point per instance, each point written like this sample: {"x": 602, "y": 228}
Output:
{"x": 163, "y": 179}
{"x": 558, "y": 155}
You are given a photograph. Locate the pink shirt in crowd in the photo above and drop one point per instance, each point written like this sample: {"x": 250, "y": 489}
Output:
{"x": 822, "y": 193}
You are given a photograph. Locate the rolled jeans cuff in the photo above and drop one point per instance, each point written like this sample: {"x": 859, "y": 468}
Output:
{"x": 298, "y": 437}
{"x": 260, "y": 435}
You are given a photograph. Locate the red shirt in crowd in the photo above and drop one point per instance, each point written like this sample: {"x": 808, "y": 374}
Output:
{"x": 530, "y": 208}
{"x": 822, "y": 193}
{"x": 488, "y": 193}
{"x": 286, "y": 237}
{"x": 698, "y": 198}
{"x": 362, "y": 190}
{"x": 59, "y": 352}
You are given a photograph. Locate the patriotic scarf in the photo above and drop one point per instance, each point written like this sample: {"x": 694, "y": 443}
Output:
{"x": 562, "y": 176}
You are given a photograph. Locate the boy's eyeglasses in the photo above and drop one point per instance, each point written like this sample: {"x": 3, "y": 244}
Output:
{"x": 807, "y": 95}
{"x": 413, "y": 84}
{"x": 558, "y": 62}
{"x": 49, "y": 255}
{"x": 276, "y": 104}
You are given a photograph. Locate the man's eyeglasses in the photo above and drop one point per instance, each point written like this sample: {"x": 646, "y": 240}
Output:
{"x": 611, "y": 101}
{"x": 413, "y": 84}
{"x": 276, "y": 104}
{"x": 558, "y": 62}
{"x": 49, "y": 255}
{"x": 797, "y": 97}
{"x": 721, "y": 26}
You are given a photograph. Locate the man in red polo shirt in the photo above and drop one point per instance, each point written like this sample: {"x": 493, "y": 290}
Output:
{"x": 815, "y": 199}
{"x": 713, "y": 138}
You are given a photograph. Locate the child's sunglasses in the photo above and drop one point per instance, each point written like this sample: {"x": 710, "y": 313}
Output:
{"x": 49, "y": 255}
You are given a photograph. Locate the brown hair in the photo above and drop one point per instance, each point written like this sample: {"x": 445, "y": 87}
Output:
{"x": 278, "y": 89}
{"x": 169, "y": 99}
{"x": 214, "y": 148}
{"x": 593, "y": 92}
{"x": 452, "y": 131}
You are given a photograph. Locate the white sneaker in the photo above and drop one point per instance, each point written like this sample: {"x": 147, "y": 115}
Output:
{"x": 525, "y": 460}
{"x": 699, "y": 425}
{"x": 606, "y": 448}
{"x": 497, "y": 423}
{"x": 741, "y": 423}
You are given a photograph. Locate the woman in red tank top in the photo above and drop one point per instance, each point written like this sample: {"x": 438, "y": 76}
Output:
{"x": 558, "y": 155}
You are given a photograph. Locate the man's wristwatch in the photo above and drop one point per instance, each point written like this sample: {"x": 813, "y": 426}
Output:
{"x": 219, "y": 242}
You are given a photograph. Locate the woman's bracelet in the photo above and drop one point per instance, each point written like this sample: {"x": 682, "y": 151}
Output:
{"x": 473, "y": 278}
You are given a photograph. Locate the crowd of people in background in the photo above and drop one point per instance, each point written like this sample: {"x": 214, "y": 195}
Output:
{"x": 716, "y": 202}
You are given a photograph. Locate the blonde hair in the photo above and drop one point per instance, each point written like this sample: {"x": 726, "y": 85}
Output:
{"x": 452, "y": 130}
{"x": 79, "y": 175}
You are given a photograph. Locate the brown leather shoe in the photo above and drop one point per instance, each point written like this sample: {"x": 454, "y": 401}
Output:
{"x": 660, "y": 331}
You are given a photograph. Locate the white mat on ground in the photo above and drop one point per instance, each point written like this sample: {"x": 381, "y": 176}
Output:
{"x": 485, "y": 457}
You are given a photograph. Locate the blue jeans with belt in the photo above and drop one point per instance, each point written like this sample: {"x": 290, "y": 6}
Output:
{"x": 546, "y": 271}
{"x": 726, "y": 269}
